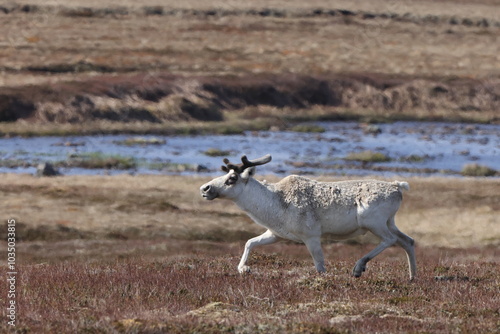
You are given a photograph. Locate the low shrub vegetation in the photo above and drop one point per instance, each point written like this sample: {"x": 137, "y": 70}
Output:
{"x": 309, "y": 128}
{"x": 478, "y": 170}
{"x": 200, "y": 291}
{"x": 141, "y": 141}
{"x": 415, "y": 158}
{"x": 367, "y": 156}
{"x": 146, "y": 254}
{"x": 97, "y": 160}
{"x": 215, "y": 152}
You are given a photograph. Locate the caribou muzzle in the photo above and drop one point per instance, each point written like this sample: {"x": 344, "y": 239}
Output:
{"x": 207, "y": 192}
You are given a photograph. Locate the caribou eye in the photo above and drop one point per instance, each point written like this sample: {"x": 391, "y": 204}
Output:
{"x": 232, "y": 179}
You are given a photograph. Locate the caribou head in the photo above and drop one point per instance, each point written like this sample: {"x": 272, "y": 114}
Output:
{"x": 235, "y": 180}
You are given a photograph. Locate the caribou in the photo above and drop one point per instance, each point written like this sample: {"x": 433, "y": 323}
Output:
{"x": 302, "y": 210}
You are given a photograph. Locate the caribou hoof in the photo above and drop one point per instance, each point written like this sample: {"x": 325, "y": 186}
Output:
{"x": 358, "y": 270}
{"x": 244, "y": 269}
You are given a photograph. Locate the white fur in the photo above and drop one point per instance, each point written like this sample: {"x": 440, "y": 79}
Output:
{"x": 300, "y": 209}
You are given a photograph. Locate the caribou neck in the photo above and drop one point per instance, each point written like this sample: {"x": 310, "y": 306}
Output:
{"x": 261, "y": 203}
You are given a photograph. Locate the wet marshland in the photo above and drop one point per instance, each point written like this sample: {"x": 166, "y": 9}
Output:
{"x": 324, "y": 148}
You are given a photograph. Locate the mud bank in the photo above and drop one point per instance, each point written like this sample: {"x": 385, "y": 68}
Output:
{"x": 164, "y": 97}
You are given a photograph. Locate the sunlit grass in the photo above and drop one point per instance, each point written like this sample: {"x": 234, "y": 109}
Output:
{"x": 148, "y": 254}
{"x": 98, "y": 160}
{"x": 478, "y": 170}
{"x": 141, "y": 141}
{"x": 367, "y": 156}
{"x": 308, "y": 128}
{"x": 202, "y": 291}
{"x": 215, "y": 152}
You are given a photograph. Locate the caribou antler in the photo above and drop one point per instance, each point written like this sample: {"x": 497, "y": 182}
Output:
{"x": 239, "y": 168}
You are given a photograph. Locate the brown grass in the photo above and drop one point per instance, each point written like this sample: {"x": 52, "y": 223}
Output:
{"x": 411, "y": 60}
{"x": 170, "y": 206}
{"x": 237, "y": 43}
{"x": 147, "y": 254}
{"x": 196, "y": 289}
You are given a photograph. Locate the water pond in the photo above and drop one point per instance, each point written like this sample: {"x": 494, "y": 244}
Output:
{"x": 343, "y": 148}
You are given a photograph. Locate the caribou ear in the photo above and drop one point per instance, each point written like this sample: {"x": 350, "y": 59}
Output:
{"x": 248, "y": 173}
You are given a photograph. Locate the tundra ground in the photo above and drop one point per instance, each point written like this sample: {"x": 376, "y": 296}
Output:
{"x": 164, "y": 66}
{"x": 147, "y": 254}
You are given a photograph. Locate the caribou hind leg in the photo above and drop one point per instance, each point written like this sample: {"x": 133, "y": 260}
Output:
{"x": 408, "y": 244}
{"x": 388, "y": 238}
{"x": 389, "y": 235}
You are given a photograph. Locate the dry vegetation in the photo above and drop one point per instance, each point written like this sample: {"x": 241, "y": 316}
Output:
{"x": 147, "y": 254}
{"x": 170, "y": 207}
{"x": 199, "y": 291}
{"x": 123, "y": 66}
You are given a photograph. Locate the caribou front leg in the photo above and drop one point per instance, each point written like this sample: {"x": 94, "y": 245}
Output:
{"x": 265, "y": 238}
